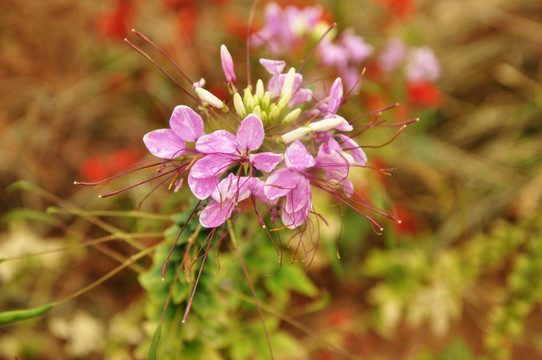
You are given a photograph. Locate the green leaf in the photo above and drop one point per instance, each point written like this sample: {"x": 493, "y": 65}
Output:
{"x": 16, "y": 315}
{"x": 154, "y": 345}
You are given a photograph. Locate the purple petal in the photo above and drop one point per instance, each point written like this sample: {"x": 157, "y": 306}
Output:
{"x": 297, "y": 157}
{"x": 335, "y": 96}
{"x": 227, "y": 64}
{"x": 251, "y": 134}
{"x": 301, "y": 96}
{"x": 280, "y": 183}
{"x": 334, "y": 160}
{"x": 357, "y": 152}
{"x": 216, "y": 213}
{"x": 300, "y": 195}
{"x": 274, "y": 86}
{"x": 186, "y": 123}
{"x": 274, "y": 67}
{"x": 232, "y": 188}
{"x": 202, "y": 188}
{"x": 265, "y": 161}
{"x": 257, "y": 187}
{"x": 211, "y": 165}
{"x": 220, "y": 141}
{"x": 164, "y": 143}
{"x": 294, "y": 218}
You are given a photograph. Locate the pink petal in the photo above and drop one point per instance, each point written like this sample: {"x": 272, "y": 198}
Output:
{"x": 301, "y": 96}
{"x": 297, "y": 157}
{"x": 280, "y": 183}
{"x": 293, "y": 219}
{"x": 265, "y": 161}
{"x": 232, "y": 187}
{"x": 164, "y": 143}
{"x": 216, "y": 213}
{"x": 211, "y": 165}
{"x": 251, "y": 134}
{"x": 333, "y": 160}
{"x": 257, "y": 187}
{"x": 357, "y": 152}
{"x": 300, "y": 195}
{"x": 274, "y": 67}
{"x": 186, "y": 123}
{"x": 220, "y": 141}
{"x": 202, "y": 188}
{"x": 335, "y": 96}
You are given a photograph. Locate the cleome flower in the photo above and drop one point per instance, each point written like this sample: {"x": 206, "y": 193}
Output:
{"x": 277, "y": 144}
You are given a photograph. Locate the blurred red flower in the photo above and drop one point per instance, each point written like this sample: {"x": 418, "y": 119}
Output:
{"x": 117, "y": 21}
{"x": 410, "y": 222}
{"x": 424, "y": 93}
{"x": 96, "y": 168}
{"x": 187, "y": 18}
{"x": 401, "y": 8}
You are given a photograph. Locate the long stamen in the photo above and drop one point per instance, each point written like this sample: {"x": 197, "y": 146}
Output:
{"x": 147, "y": 40}
{"x": 394, "y": 136}
{"x": 147, "y": 56}
{"x": 357, "y": 83}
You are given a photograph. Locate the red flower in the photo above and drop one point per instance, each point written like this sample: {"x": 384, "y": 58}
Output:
{"x": 424, "y": 93}
{"x": 116, "y": 22}
{"x": 401, "y": 8}
{"x": 96, "y": 168}
{"x": 187, "y": 18}
{"x": 410, "y": 222}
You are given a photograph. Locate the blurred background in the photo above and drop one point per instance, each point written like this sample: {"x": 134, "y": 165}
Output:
{"x": 458, "y": 279}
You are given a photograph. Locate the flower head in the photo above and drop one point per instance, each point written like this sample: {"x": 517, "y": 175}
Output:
{"x": 282, "y": 140}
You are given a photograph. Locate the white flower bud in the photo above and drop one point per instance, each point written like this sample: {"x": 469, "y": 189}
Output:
{"x": 257, "y": 111}
{"x": 291, "y": 116}
{"x": 287, "y": 88}
{"x": 239, "y": 106}
{"x": 248, "y": 99}
{"x": 259, "y": 89}
{"x": 326, "y": 124}
{"x": 209, "y": 98}
{"x": 294, "y": 135}
{"x": 274, "y": 113}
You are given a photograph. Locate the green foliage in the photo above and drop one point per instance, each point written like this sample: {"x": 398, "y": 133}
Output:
{"x": 222, "y": 295}
{"x": 523, "y": 291}
{"x": 421, "y": 285}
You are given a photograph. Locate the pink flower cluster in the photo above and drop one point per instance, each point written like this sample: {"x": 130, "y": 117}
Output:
{"x": 278, "y": 144}
{"x": 346, "y": 53}
{"x": 284, "y": 28}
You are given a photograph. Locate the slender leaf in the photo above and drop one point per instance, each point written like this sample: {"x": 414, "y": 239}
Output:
{"x": 16, "y": 315}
